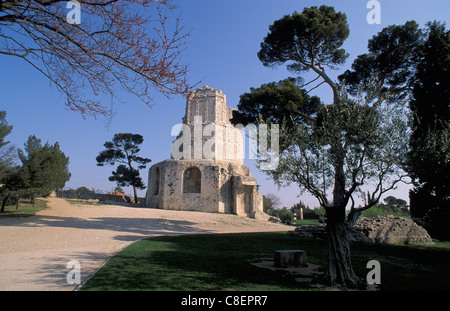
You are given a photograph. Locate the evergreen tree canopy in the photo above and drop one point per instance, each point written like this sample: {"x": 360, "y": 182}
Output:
{"x": 313, "y": 37}
{"x": 310, "y": 40}
{"x": 359, "y": 140}
{"x": 124, "y": 149}
{"x": 6, "y": 152}
{"x": 278, "y": 102}
{"x": 389, "y": 64}
{"x": 44, "y": 168}
{"x": 429, "y": 157}
{"x": 5, "y": 129}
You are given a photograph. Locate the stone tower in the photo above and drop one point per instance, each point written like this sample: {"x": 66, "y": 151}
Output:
{"x": 212, "y": 136}
{"x": 206, "y": 171}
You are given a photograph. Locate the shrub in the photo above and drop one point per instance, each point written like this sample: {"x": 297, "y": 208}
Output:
{"x": 321, "y": 213}
{"x": 308, "y": 213}
{"x": 381, "y": 209}
{"x": 286, "y": 216}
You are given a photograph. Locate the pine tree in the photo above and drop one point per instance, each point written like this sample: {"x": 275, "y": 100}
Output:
{"x": 429, "y": 158}
{"x": 333, "y": 149}
{"x": 124, "y": 149}
{"x": 6, "y": 159}
{"x": 44, "y": 169}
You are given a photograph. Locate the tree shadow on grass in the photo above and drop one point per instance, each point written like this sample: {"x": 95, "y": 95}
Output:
{"x": 197, "y": 262}
{"x": 221, "y": 262}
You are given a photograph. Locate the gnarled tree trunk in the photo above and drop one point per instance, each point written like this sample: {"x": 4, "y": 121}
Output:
{"x": 5, "y": 200}
{"x": 340, "y": 270}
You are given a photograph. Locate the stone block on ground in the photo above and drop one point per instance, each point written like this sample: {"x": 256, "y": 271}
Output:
{"x": 285, "y": 258}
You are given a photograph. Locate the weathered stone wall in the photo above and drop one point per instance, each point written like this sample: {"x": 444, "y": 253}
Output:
{"x": 381, "y": 229}
{"x": 225, "y": 187}
{"x": 171, "y": 193}
{"x": 390, "y": 229}
{"x": 208, "y": 118}
{"x": 94, "y": 196}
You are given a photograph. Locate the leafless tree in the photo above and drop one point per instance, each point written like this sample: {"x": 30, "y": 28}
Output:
{"x": 132, "y": 45}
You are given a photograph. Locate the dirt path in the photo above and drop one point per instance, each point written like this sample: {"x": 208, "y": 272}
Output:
{"x": 34, "y": 251}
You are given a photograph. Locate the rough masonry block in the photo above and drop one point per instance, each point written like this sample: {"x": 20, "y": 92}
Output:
{"x": 285, "y": 258}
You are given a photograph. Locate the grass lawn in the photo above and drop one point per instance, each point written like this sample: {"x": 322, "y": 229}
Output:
{"x": 220, "y": 262}
{"x": 25, "y": 209}
{"x": 301, "y": 222}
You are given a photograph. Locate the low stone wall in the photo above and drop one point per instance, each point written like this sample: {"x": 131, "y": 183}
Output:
{"x": 390, "y": 229}
{"x": 380, "y": 229}
{"x": 311, "y": 231}
{"x": 95, "y": 196}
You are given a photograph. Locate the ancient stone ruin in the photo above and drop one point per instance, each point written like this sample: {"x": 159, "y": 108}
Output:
{"x": 206, "y": 172}
{"x": 380, "y": 229}
{"x": 390, "y": 229}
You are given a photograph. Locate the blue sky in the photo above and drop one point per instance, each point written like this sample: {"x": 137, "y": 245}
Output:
{"x": 225, "y": 37}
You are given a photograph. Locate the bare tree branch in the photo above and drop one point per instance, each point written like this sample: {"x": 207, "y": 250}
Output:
{"x": 131, "y": 44}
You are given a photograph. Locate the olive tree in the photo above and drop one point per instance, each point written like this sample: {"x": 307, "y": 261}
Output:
{"x": 336, "y": 151}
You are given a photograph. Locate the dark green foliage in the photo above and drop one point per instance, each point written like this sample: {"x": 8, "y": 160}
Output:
{"x": 276, "y": 102}
{"x": 391, "y": 206}
{"x": 124, "y": 149}
{"x": 321, "y": 213}
{"x": 349, "y": 122}
{"x": 356, "y": 140}
{"x": 430, "y": 106}
{"x": 429, "y": 158}
{"x": 308, "y": 213}
{"x": 286, "y": 216}
{"x": 125, "y": 176}
{"x": 396, "y": 204}
{"x": 119, "y": 189}
{"x": 312, "y": 37}
{"x": 6, "y": 161}
{"x": 6, "y": 152}
{"x": 79, "y": 192}
{"x": 33, "y": 143}
{"x": 84, "y": 189}
{"x": 271, "y": 203}
{"x": 432, "y": 86}
{"x": 431, "y": 211}
{"x": 5, "y": 129}
{"x": 390, "y": 63}
{"x": 44, "y": 168}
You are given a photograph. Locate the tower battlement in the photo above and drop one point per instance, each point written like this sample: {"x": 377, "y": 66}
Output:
{"x": 210, "y": 104}
{"x": 210, "y": 134}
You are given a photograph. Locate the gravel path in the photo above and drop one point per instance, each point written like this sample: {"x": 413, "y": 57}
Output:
{"x": 34, "y": 251}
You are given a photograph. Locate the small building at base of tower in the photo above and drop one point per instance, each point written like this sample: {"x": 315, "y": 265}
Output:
{"x": 206, "y": 186}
